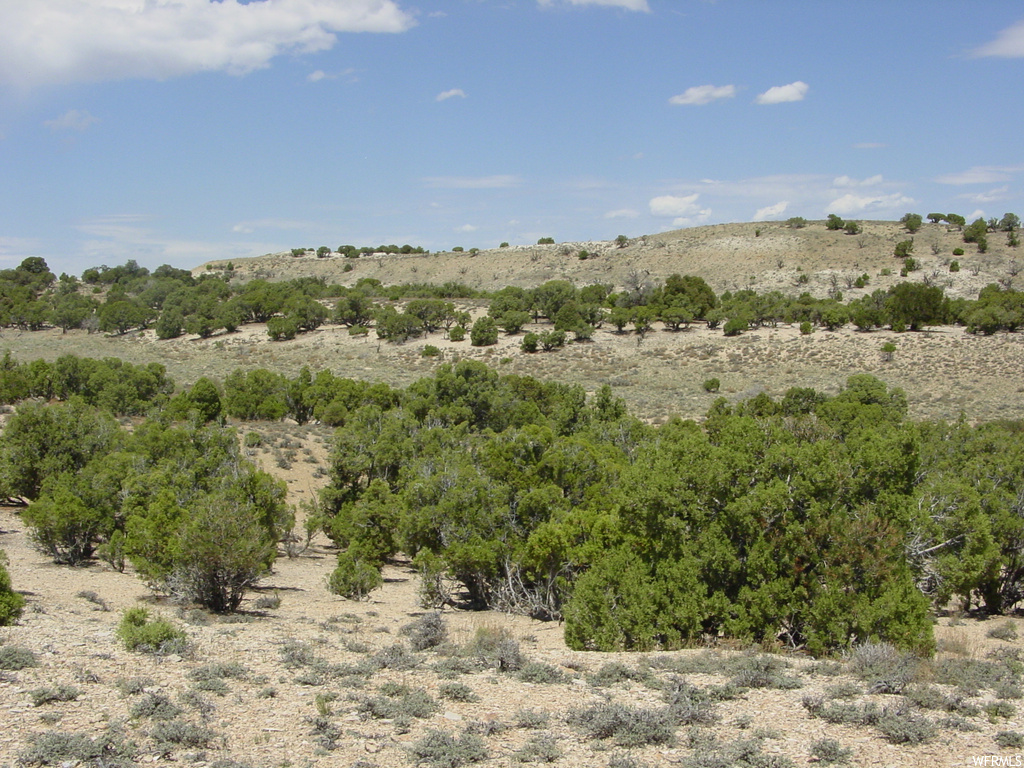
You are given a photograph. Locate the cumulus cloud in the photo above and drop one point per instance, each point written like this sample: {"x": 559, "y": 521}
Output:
{"x": 471, "y": 182}
{"x": 703, "y": 94}
{"x": 850, "y": 204}
{"x": 629, "y": 5}
{"x": 72, "y": 120}
{"x": 622, "y": 213}
{"x": 685, "y": 209}
{"x": 64, "y": 41}
{"x": 1009, "y": 43}
{"x": 783, "y": 93}
{"x": 771, "y": 211}
{"x": 453, "y": 93}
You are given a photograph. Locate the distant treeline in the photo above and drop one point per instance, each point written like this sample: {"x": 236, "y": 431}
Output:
{"x": 171, "y": 301}
{"x": 811, "y": 520}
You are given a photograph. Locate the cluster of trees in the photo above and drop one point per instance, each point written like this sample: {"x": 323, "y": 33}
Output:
{"x": 812, "y": 520}
{"x": 177, "y": 500}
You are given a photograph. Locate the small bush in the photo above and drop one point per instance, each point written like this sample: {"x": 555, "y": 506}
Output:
{"x": 688, "y": 705}
{"x": 530, "y": 343}
{"x": 59, "y": 748}
{"x": 900, "y": 725}
{"x": 540, "y": 749}
{"x": 141, "y": 633}
{"x": 806, "y": 328}
{"x": 830, "y": 751}
{"x": 430, "y": 351}
{"x": 1009, "y": 739}
{"x": 1006, "y": 631}
{"x": 884, "y": 667}
{"x": 428, "y": 631}
{"x": 50, "y": 694}
{"x": 354, "y": 578}
{"x": 457, "y": 333}
{"x": 999, "y": 709}
{"x": 396, "y": 657}
{"x": 11, "y": 603}
{"x": 442, "y": 750}
{"x": 456, "y": 692}
{"x": 133, "y": 686}
{"x": 169, "y": 734}
{"x": 15, "y": 657}
{"x": 154, "y": 706}
{"x": 954, "y": 266}
{"x": 958, "y": 251}
{"x": 531, "y": 719}
{"x": 626, "y": 726}
{"x": 712, "y": 385}
{"x": 539, "y": 672}
{"x": 495, "y": 648}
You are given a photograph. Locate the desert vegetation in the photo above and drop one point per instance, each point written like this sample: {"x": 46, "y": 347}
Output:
{"x": 833, "y": 538}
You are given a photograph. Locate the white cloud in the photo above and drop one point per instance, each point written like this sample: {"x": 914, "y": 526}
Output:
{"x": 629, "y": 5}
{"x": 685, "y": 209}
{"x": 851, "y": 203}
{"x": 845, "y": 181}
{"x": 72, "y": 120}
{"x": 622, "y": 213}
{"x": 978, "y": 214}
{"x": 981, "y": 174}
{"x": 783, "y": 93}
{"x": 454, "y": 92}
{"x": 471, "y": 182}
{"x": 992, "y": 196}
{"x": 771, "y": 211}
{"x": 703, "y": 94}
{"x": 1008, "y": 44}
{"x": 315, "y": 77}
{"x": 466, "y": 228}
{"x": 64, "y": 41}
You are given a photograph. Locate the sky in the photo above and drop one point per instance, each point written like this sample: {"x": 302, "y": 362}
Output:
{"x": 181, "y": 131}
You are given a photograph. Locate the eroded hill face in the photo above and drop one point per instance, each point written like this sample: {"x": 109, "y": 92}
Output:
{"x": 762, "y": 256}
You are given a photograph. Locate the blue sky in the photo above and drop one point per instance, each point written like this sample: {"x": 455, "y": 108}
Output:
{"x": 178, "y": 131}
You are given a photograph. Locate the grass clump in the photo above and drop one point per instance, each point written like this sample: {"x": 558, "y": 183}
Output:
{"x": 1006, "y": 631}
{"x": 17, "y": 657}
{"x": 884, "y": 667}
{"x": 438, "y": 749}
{"x": 495, "y": 648}
{"x": 139, "y": 632}
{"x": 52, "y": 693}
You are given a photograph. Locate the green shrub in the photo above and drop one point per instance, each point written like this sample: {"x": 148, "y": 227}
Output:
{"x": 430, "y": 351}
{"x": 11, "y": 603}
{"x": 456, "y": 692}
{"x": 354, "y": 578}
{"x": 495, "y": 648}
{"x": 154, "y": 706}
{"x": 954, "y": 266}
{"x": 539, "y": 672}
{"x": 806, "y": 328}
{"x": 530, "y": 342}
{"x": 456, "y": 333}
{"x": 400, "y": 701}
{"x": 734, "y": 326}
{"x": 133, "y": 686}
{"x": 546, "y": 241}
{"x": 900, "y": 725}
{"x": 958, "y": 251}
{"x": 141, "y": 633}
{"x": 171, "y": 734}
{"x": 626, "y": 726}
{"x": 531, "y": 719}
{"x": 484, "y": 332}
{"x": 712, "y": 385}
{"x": 884, "y": 667}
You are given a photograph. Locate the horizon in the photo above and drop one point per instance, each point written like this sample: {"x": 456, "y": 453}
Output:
{"x": 186, "y": 131}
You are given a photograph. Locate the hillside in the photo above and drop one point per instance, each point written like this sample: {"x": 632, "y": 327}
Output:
{"x": 763, "y": 256}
